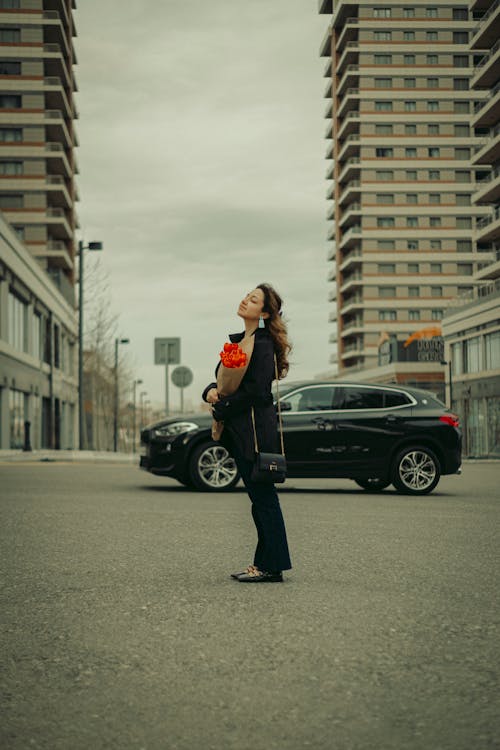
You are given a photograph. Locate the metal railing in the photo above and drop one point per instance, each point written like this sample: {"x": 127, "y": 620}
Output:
{"x": 482, "y": 62}
{"x": 485, "y": 220}
{"x": 494, "y": 91}
{"x": 484, "y": 18}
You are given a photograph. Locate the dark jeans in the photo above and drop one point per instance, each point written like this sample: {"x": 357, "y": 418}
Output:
{"x": 272, "y": 547}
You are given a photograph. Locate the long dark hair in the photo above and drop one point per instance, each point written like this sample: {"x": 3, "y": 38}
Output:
{"x": 276, "y": 327}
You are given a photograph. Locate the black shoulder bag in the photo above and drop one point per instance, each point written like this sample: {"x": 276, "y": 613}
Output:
{"x": 269, "y": 467}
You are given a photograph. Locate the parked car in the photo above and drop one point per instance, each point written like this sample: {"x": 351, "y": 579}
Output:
{"x": 376, "y": 435}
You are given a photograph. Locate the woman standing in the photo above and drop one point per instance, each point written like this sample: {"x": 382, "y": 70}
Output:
{"x": 261, "y": 312}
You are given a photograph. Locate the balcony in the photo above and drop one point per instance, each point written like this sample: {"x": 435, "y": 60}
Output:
{"x": 487, "y": 111}
{"x": 349, "y": 191}
{"x": 349, "y": 56}
{"x": 351, "y": 214}
{"x": 57, "y": 161}
{"x": 353, "y": 281}
{"x": 491, "y": 270}
{"x": 331, "y": 252}
{"x": 333, "y": 338}
{"x": 351, "y": 168}
{"x": 329, "y": 151}
{"x": 352, "y": 259}
{"x": 486, "y": 71}
{"x": 350, "y": 77}
{"x": 325, "y": 49}
{"x": 56, "y": 98}
{"x": 63, "y": 283}
{"x": 349, "y": 33}
{"x": 58, "y": 222}
{"x": 486, "y": 32}
{"x": 329, "y": 110}
{"x": 488, "y": 227}
{"x": 489, "y": 153}
{"x": 350, "y": 146}
{"x": 332, "y": 273}
{"x": 332, "y": 294}
{"x": 350, "y": 237}
{"x": 348, "y": 102}
{"x": 349, "y": 124}
{"x": 488, "y": 189}
{"x": 56, "y": 251}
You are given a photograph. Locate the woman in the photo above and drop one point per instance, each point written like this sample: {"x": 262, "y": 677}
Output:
{"x": 261, "y": 312}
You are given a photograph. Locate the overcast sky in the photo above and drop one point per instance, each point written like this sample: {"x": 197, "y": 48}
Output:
{"x": 202, "y": 171}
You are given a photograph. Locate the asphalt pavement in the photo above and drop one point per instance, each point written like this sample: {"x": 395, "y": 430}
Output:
{"x": 121, "y": 628}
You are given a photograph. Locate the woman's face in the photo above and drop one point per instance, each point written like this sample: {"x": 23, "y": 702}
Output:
{"x": 251, "y": 306}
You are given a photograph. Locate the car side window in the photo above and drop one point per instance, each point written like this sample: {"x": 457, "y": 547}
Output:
{"x": 394, "y": 398}
{"x": 361, "y": 398}
{"x": 315, "y": 398}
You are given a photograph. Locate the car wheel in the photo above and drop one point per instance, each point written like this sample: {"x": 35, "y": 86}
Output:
{"x": 212, "y": 469}
{"x": 416, "y": 471}
{"x": 373, "y": 483}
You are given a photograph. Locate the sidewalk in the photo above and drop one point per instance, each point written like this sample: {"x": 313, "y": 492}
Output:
{"x": 19, "y": 456}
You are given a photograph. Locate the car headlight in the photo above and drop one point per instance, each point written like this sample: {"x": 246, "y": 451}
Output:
{"x": 176, "y": 428}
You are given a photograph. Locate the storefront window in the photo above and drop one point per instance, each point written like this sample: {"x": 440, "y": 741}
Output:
{"x": 472, "y": 355}
{"x": 456, "y": 358}
{"x": 17, "y": 317}
{"x": 17, "y": 413}
{"x": 492, "y": 350}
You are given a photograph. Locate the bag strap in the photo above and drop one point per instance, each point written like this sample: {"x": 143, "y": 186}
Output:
{"x": 280, "y": 421}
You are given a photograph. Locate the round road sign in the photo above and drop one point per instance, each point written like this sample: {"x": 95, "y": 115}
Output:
{"x": 182, "y": 377}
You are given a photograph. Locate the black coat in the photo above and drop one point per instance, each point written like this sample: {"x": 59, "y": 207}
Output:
{"x": 254, "y": 390}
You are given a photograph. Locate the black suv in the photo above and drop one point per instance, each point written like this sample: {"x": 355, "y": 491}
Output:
{"x": 376, "y": 435}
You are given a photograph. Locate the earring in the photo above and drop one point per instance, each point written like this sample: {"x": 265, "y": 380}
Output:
{"x": 261, "y": 322}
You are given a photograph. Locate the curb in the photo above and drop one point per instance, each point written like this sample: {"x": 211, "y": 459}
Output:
{"x": 68, "y": 457}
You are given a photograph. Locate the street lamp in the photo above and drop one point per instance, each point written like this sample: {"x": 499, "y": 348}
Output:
{"x": 141, "y": 397}
{"x": 81, "y": 248}
{"x": 115, "y": 421}
{"x": 136, "y": 383}
{"x": 450, "y": 382}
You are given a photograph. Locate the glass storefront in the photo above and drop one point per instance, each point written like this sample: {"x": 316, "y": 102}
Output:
{"x": 18, "y": 402}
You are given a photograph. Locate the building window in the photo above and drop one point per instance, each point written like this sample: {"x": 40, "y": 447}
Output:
{"x": 410, "y": 106}
{"x": 436, "y": 291}
{"x": 464, "y": 269}
{"x": 410, "y": 152}
{"x": 463, "y": 222}
{"x": 409, "y": 36}
{"x": 464, "y": 246}
{"x": 386, "y": 268}
{"x": 414, "y": 291}
{"x": 412, "y": 221}
{"x": 431, "y": 36}
{"x": 412, "y": 244}
{"x": 460, "y": 14}
{"x": 436, "y": 267}
{"x": 382, "y": 36}
{"x": 410, "y": 130}
{"x": 383, "y": 106}
{"x": 385, "y": 221}
{"x": 10, "y": 4}
{"x": 411, "y": 175}
{"x": 433, "y": 129}
{"x": 431, "y": 12}
{"x": 387, "y": 315}
{"x": 462, "y": 176}
{"x": 461, "y": 107}
{"x": 383, "y": 129}
{"x": 384, "y": 175}
{"x": 460, "y": 61}
{"x": 461, "y": 84}
{"x": 384, "y": 153}
{"x": 408, "y": 12}
{"x": 462, "y": 199}
{"x": 11, "y": 167}
{"x": 17, "y": 417}
{"x": 10, "y": 36}
{"x": 410, "y": 83}
{"x": 36, "y": 335}
{"x": 10, "y": 200}
{"x": 413, "y": 268}
{"x": 433, "y": 83}
{"x": 411, "y": 198}
{"x": 431, "y": 60}
{"x": 433, "y": 106}
{"x": 19, "y": 232}
{"x": 382, "y": 59}
{"x": 462, "y": 153}
{"x": 435, "y": 244}
{"x": 436, "y": 314}
{"x": 460, "y": 37}
{"x": 8, "y": 68}
{"x": 385, "y": 198}
{"x": 434, "y": 198}
{"x": 456, "y": 358}
{"x": 387, "y": 291}
{"x": 11, "y": 135}
{"x": 409, "y": 59}
{"x": 462, "y": 131}
{"x": 492, "y": 350}
{"x": 382, "y": 12}
{"x": 472, "y": 354}
{"x": 10, "y": 101}
{"x": 414, "y": 315}
{"x": 434, "y": 174}
{"x": 383, "y": 83}
{"x": 17, "y": 322}
{"x": 386, "y": 244}
{"x": 435, "y": 221}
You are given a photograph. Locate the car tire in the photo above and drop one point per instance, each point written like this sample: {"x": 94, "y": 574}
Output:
{"x": 374, "y": 484}
{"x": 416, "y": 470}
{"x": 212, "y": 469}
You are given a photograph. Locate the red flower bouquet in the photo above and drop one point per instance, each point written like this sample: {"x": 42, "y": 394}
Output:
{"x": 234, "y": 361}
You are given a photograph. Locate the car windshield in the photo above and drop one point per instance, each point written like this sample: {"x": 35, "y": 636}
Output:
{"x": 286, "y": 388}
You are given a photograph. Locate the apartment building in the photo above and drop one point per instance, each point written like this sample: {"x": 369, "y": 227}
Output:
{"x": 400, "y": 143}
{"x": 37, "y": 134}
{"x": 471, "y": 326}
{"x": 38, "y": 323}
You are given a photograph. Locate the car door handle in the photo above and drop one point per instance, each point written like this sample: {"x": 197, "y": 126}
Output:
{"x": 391, "y": 418}
{"x": 323, "y": 424}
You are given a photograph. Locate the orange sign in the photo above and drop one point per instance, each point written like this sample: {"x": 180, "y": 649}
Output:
{"x": 423, "y": 333}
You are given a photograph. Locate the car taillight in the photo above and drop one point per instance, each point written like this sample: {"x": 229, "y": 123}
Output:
{"x": 450, "y": 419}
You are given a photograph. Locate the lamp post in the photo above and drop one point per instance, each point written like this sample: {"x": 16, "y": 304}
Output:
{"x": 450, "y": 382}
{"x": 115, "y": 421}
{"x": 141, "y": 402}
{"x": 81, "y": 248}
{"x": 136, "y": 383}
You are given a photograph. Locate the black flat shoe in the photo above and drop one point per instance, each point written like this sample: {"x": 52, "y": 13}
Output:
{"x": 261, "y": 576}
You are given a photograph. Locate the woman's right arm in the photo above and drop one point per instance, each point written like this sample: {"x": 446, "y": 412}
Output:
{"x": 205, "y": 393}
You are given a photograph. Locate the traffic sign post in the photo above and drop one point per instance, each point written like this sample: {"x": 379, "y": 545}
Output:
{"x": 167, "y": 352}
{"x": 182, "y": 377}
